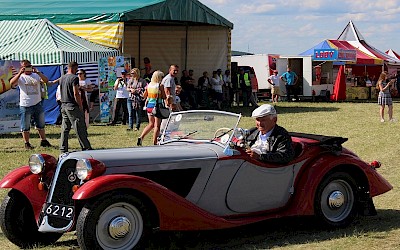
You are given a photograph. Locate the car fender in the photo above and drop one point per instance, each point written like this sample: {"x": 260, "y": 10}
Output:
{"x": 175, "y": 212}
{"x": 24, "y": 181}
{"x": 309, "y": 179}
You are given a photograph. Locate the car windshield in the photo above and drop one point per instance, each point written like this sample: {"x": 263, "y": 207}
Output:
{"x": 201, "y": 125}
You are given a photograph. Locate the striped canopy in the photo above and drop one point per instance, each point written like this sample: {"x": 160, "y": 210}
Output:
{"x": 44, "y": 43}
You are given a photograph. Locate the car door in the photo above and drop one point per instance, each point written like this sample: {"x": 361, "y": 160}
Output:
{"x": 260, "y": 187}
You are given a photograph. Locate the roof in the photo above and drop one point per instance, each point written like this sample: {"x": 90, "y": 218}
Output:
{"x": 240, "y": 53}
{"x": 355, "y": 38}
{"x": 100, "y": 11}
{"x": 393, "y": 53}
{"x": 43, "y": 43}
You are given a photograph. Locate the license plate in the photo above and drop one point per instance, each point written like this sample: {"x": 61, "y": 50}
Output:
{"x": 59, "y": 211}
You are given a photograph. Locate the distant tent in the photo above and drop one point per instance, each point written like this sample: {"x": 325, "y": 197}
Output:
{"x": 352, "y": 35}
{"x": 362, "y": 58}
{"x": 392, "y": 53}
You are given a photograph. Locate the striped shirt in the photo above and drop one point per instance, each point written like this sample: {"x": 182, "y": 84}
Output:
{"x": 153, "y": 91}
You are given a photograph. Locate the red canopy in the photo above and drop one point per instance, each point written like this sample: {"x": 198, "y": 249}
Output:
{"x": 339, "y": 89}
{"x": 362, "y": 58}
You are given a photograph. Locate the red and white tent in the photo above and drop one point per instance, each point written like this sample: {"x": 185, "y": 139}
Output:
{"x": 392, "y": 53}
{"x": 353, "y": 36}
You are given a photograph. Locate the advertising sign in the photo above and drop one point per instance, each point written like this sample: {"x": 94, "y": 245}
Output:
{"x": 9, "y": 98}
{"x": 109, "y": 70}
{"x": 325, "y": 54}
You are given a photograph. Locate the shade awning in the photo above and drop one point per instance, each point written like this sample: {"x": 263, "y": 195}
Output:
{"x": 43, "y": 43}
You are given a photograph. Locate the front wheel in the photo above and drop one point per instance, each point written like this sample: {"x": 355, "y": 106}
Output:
{"x": 18, "y": 223}
{"x": 336, "y": 200}
{"x": 113, "y": 222}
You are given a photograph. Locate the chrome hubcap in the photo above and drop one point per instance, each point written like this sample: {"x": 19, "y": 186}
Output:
{"x": 119, "y": 227}
{"x": 336, "y": 200}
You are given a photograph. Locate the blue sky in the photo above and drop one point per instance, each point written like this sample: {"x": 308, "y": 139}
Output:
{"x": 292, "y": 26}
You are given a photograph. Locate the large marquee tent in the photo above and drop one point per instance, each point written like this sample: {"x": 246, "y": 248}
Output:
{"x": 183, "y": 32}
{"x": 392, "y": 53}
{"x": 353, "y": 36}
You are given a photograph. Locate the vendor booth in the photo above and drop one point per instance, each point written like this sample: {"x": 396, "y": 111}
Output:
{"x": 50, "y": 49}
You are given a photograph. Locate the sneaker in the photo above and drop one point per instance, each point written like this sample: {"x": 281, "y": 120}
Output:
{"x": 45, "y": 143}
{"x": 382, "y": 120}
{"x": 393, "y": 120}
{"x": 139, "y": 141}
{"x": 28, "y": 146}
{"x": 135, "y": 129}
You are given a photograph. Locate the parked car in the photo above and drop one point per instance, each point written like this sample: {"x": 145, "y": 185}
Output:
{"x": 198, "y": 178}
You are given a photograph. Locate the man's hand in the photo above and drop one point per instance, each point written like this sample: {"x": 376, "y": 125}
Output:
{"x": 252, "y": 154}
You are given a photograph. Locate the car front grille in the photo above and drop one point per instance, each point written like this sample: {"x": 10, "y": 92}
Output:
{"x": 62, "y": 192}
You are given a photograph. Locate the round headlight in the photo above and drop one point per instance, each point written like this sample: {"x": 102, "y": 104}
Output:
{"x": 83, "y": 169}
{"x": 36, "y": 163}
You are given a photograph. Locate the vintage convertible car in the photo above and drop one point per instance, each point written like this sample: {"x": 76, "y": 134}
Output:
{"x": 198, "y": 178}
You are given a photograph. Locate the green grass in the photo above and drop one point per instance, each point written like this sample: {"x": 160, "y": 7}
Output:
{"x": 359, "y": 122}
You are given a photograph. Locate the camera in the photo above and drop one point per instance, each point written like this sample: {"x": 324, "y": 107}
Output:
{"x": 28, "y": 69}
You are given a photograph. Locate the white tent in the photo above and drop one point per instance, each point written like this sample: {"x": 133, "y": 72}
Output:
{"x": 352, "y": 35}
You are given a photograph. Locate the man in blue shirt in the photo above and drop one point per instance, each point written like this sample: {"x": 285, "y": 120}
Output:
{"x": 290, "y": 78}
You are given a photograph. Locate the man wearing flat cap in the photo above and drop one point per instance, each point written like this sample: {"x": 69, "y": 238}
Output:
{"x": 268, "y": 141}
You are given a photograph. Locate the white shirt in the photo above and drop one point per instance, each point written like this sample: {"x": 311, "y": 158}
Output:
{"x": 217, "y": 84}
{"x": 261, "y": 146}
{"x": 275, "y": 80}
{"x": 122, "y": 92}
{"x": 85, "y": 83}
{"x": 29, "y": 90}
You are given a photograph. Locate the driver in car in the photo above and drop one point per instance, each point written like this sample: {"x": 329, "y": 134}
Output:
{"x": 269, "y": 142}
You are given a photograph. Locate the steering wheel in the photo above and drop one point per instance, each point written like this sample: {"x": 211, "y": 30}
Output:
{"x": 220, "y": 131}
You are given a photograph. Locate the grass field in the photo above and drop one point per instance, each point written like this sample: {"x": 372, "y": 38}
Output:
{"x": 368, "y": 137}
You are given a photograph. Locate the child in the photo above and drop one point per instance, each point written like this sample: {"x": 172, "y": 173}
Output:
{"x": 178, "y": 90}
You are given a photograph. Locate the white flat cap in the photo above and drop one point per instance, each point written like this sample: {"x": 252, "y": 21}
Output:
{"x": 263, "y": 110}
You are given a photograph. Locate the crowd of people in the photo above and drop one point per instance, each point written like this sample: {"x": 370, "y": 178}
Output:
{"x": 135, "y": 94}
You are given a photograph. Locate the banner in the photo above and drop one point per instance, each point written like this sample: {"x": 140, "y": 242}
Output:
{"x": 109, "y": 70}
{"x": 9, "y": 98}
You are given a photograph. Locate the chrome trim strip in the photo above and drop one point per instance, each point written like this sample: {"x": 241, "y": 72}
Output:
{"x": 46, "y": 228}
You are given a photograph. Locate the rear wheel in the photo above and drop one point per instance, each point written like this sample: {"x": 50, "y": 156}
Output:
{"x": 336, "y": 200}
{"x": 113, "y": 222}
{"x": 18, "y": 223}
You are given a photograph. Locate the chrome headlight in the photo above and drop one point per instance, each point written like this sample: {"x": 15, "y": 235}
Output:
{"x": 36, "y": 163}
{"x": 240, "y": 133}
{"x": 83, "y": 169}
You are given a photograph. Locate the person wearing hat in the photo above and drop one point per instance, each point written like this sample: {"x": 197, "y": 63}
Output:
{"x": 269, "y": 142}
{"x": 121, "y": 98}
{"x": 274, "y": 81}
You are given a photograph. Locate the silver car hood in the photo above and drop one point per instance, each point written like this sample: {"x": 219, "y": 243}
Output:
{"x": 149, "y": 155}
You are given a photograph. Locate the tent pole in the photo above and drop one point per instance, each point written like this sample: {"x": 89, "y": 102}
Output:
{"x": 186, "y": 45}
{"x": 140, "y": 45}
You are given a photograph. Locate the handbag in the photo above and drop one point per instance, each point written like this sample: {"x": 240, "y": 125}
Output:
{"x": 160, "y": 111}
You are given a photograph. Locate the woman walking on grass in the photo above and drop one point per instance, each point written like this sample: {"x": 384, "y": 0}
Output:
{"x": 153, "y": 94}
{"x": 384, "y": 96}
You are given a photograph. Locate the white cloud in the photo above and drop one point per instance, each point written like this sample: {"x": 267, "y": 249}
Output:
{"x": 292, "y": 26}
{"x": 256, "y": 8}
